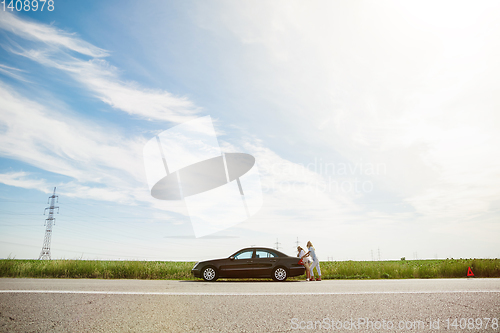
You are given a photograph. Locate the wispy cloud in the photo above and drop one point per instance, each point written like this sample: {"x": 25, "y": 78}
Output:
{"x": 65, "y": 144}
{"x": 97, "y": 76}
{"x": 49, "y": 35}
{"x": 61, "y": 141}
{"x": 24, "y": 180}
{"x": 13, "y": 72}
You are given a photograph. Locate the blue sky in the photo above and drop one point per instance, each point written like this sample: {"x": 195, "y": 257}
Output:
{"x": 374, "y": 126}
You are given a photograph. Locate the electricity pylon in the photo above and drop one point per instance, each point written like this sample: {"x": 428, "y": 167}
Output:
{"x": 49, "y": 221}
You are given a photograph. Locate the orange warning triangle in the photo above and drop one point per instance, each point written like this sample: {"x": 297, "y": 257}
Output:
{"x": 469, "y": 272}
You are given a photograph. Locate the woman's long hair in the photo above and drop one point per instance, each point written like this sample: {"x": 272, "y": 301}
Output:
{"x": 299, "y": 248}
{"x": 309, "y": 244}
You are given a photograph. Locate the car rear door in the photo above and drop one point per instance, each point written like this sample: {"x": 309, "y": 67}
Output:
{"x": 264, "y": 263}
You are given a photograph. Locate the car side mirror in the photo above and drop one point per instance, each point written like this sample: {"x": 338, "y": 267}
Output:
{"x": 231, "y": 258}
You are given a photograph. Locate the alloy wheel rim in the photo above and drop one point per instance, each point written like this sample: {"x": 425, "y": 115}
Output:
{"x": 280, "y": 274}
{"x": 209, "y": 273}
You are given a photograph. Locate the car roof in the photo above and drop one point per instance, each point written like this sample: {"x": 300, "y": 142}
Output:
{"x": 279, "y": 253}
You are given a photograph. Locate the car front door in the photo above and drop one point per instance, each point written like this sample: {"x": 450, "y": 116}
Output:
{"x": 240, "y": 266}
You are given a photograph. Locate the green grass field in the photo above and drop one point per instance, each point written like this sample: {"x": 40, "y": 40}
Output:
{"x": 408, "y": 269}
{"x": 169, "y": 270}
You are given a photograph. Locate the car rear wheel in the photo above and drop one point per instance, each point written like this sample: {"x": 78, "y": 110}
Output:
{"x": 209, "y": 274}
{"x": 280, "y": 274}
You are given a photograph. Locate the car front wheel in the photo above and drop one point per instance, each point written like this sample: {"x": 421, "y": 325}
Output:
{"x": 280, "y": 274}
{"x": 209, "y": 274}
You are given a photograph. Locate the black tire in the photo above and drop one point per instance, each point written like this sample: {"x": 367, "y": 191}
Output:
{"x": 209, "y": 274}
{"x": 280, "y": 274}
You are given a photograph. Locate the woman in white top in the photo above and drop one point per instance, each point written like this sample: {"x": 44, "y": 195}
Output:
{"x": 306, "y": 260}
{"x": 315, "y": 263}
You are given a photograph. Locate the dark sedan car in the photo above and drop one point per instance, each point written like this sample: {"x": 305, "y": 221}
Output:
{"x": 252, "y": 262}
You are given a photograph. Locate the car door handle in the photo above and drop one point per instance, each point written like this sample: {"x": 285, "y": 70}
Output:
{"x": 272, "y": 260}
{"x": 249, "y": 261}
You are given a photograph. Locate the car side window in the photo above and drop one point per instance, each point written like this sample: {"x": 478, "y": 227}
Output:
{"x": 264, "y": 254}
{"x": 244, "y": 255}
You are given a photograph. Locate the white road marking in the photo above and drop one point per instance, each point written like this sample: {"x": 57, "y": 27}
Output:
{"x": 98, "y": 292}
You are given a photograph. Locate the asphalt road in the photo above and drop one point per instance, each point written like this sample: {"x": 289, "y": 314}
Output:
{"x": 81, "y": 305}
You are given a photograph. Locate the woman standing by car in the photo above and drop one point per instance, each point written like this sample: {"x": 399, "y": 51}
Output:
{"x": 315, "y": 263}
{"x": 306, "y": 260}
